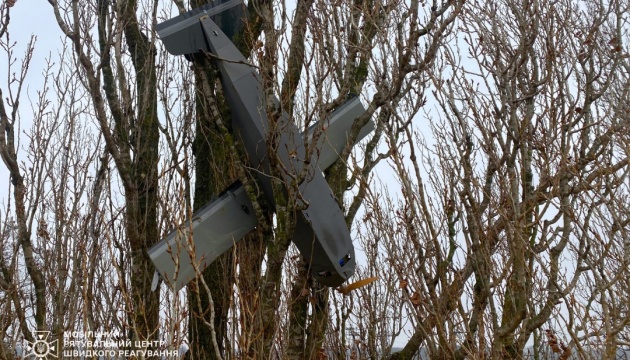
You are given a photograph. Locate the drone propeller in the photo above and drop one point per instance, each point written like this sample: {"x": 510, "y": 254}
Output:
{"x": 355, "y": 285}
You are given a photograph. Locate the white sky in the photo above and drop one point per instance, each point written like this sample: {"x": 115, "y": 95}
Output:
{"x": 28, "y": 18}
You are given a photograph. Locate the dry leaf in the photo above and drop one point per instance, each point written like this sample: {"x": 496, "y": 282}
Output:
{"x": 553, "y": 342}
{"x": 415, "y": 298}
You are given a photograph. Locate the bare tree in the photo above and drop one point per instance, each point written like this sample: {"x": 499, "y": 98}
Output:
{"x": 125, "y": 105}
{"x": 49, "y": 254}
{"x": 490, "y": 201}
{"x": 508, "y": 201}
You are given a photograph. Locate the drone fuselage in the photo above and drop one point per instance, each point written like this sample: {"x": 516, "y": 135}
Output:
{"x": 321, "y": 233}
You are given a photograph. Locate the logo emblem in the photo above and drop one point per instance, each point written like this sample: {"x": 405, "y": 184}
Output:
{"x": 41, "y": 348}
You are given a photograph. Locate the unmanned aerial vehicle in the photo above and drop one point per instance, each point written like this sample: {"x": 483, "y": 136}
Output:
{"x": 321, "y": 234}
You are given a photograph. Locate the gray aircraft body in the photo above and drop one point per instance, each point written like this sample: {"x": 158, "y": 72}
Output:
{"x": 321, "y": 234}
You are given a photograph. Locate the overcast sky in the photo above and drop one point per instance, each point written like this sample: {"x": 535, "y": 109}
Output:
{"x": 28, "y": 18}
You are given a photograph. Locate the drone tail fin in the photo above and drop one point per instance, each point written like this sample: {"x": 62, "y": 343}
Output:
{"x": 183, "y": 34}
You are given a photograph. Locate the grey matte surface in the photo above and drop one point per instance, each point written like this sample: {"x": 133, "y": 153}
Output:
{"x": 322, "y": 235}
{"x": 183, "y": 35}
{"x": 340, "y": 122}
{"x": 336, "y": 130}
{"x": 214, "y": 229}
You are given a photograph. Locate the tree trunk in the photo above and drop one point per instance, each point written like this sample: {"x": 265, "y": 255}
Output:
{"x": 142, "y": 227}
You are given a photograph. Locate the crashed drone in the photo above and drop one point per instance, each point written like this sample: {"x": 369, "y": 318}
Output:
{"x": 321, "y": 234}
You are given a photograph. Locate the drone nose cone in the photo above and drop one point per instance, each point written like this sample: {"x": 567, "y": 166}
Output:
{"x": 334, "y": 274}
